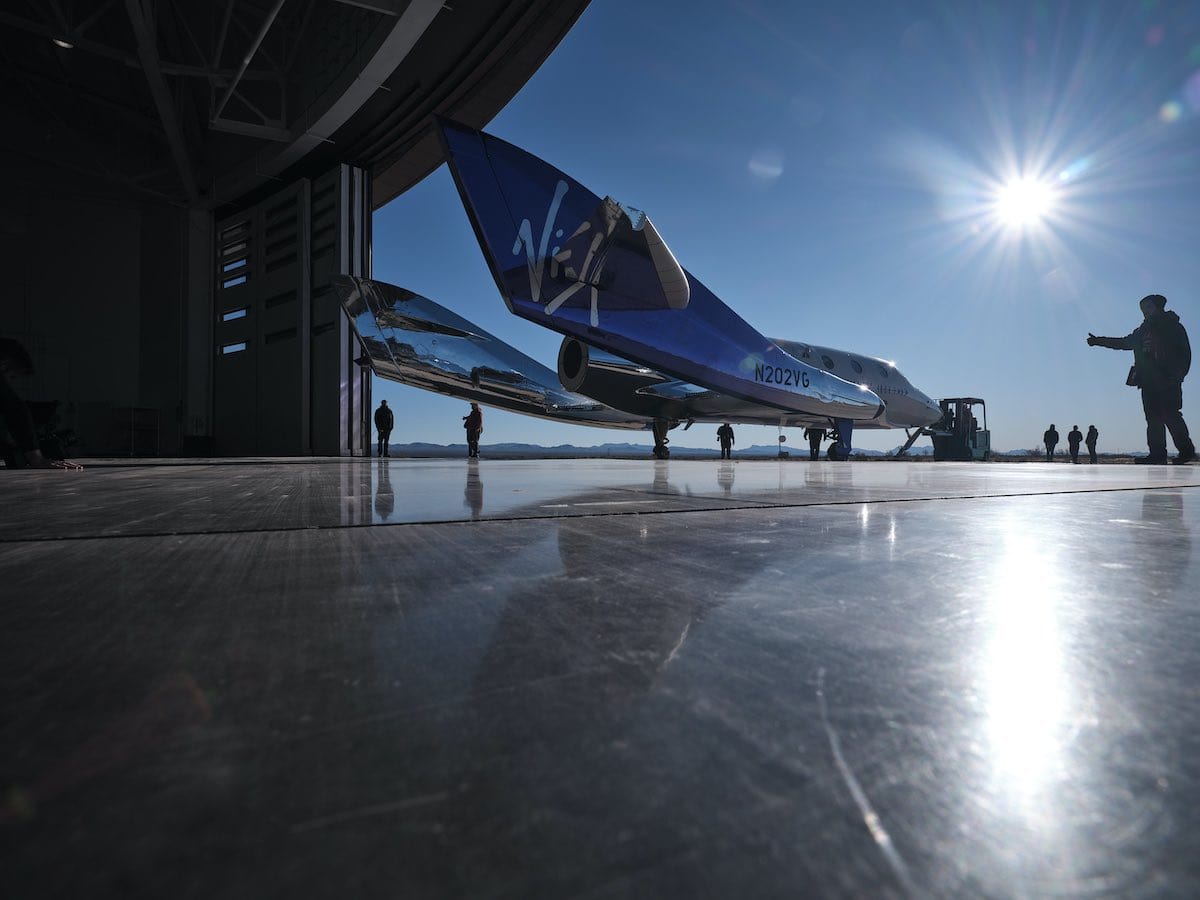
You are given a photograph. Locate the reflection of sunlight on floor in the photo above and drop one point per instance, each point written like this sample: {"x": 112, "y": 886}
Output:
{"x": 884, "y": 518}
{"x": 1024, "y": 682}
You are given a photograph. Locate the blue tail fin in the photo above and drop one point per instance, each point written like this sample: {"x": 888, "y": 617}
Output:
{"x": 597, "y": 270}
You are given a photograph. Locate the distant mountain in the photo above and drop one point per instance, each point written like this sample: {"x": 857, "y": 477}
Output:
{"x": 643, "y": 451}
{"x": 570, "y": 451}
{"x": 613, "y": 451}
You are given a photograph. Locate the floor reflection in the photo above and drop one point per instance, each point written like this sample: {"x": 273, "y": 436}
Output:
{"x": 1071, "y": 689}
{"x": 385, "y": 498}
{"x": 725, "y": 477}
{"x": 1024, "y": 684}
{"x": 662, "y": 469}
{"x": 1164, "y": 542}
{"x": 580, "y": 657}
{"x": 877, "y": 525}
{"x": 653, "y": 705}
{"x": 473, "y": 491}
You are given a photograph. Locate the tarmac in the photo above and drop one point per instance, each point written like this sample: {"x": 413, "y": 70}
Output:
{"x": 599, "y": 678}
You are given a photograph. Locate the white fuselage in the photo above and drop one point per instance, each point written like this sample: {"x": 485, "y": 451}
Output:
{"x": 905, "y": 406}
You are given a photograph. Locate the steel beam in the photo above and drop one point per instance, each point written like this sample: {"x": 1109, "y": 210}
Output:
{"x": 87, "y": 23}
{"x": 216, "y": 60}
{"x": 216, "y": 75}
{"x": 148, "y": 53}
{"x": 338, "y": 105}
{"x": 387, "y": 7}
{"x": 249, "y": 129}
{"x": 59, "y": 17}
{"x": 262, "y": 33}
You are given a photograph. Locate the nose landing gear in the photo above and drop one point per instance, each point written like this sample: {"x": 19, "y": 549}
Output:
{"x": 660, "y": 428}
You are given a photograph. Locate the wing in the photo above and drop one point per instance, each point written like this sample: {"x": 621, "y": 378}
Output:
{"x": 597, "y": 270}
{"x": 412, "y": 340}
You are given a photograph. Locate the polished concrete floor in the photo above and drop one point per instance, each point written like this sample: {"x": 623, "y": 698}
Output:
{"x": 347, "y": 678}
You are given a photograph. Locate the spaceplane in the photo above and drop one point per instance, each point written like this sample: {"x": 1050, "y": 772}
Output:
{"x": 645, "y": 344}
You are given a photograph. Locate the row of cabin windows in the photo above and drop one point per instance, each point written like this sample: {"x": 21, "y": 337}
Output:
{"x": 854, "y": 364}
{"x": 829, "y": 365}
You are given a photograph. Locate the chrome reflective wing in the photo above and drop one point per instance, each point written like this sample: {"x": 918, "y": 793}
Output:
{"x": 410, "y": 339}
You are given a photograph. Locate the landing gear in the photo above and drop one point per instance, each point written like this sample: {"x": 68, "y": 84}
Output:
{"x": 660, "y": 429}
{"x": 841, "y": 447}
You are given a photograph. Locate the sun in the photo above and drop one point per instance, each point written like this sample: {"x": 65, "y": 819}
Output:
{"x": 1023, "y": 202}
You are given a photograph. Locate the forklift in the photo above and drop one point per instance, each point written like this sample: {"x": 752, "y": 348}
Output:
{"x": 957, "y": 434}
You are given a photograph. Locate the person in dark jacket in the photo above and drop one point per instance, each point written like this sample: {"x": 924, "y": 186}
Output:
{"x": 725, "y": 437}
{"x": 1074, "y": 439}
{"x": 1162, "y": 357}
{"x": 19, "y": 446}
{"x": 814, "y": 436}
{"x": 473, "y": 422}
{"x": 384, "y": 420}
{"x": 1092, "y": 436}
{"x": 1050, "y": 439}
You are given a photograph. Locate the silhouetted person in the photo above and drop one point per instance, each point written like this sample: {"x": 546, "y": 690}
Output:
{"x": 21, "y": 450}
{"x": 1092, "y": 436}
{"x": 473, "y": 422}
{"x": 1161, "y": 359}
{"x": 725, "y": 436}
{"x": 1074, "y": 439}
{"x": 1050, "y": 439}
{"x": 384, "y": 420}
{"x": 814, "y": 436}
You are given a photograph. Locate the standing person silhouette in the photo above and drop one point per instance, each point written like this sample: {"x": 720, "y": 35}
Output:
{"x": 1050, "y": 439}
{"x": 1161, "y": 359}
{"x": 1092, "y": 436}
{"x": 814, "y": 436}
{"x": 725, "y": 437}
{"x": 1074, "y": 439}
{"x": 473, "y": 422}
{"x": 15, "y": 420}
{"x": 384, "y": 420}
{"x": 21, "y": 450}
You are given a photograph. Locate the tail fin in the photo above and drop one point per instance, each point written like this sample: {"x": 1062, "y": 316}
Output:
{"x": 551, "y": 241}
{"x": 598, "y": 270}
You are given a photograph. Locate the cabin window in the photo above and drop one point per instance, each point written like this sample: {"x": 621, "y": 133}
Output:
{"x": 855, "y": 366}
{"x": 827, "y": 362}
{"x": 883, "y": 370}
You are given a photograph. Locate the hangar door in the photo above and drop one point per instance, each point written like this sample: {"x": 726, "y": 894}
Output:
{"x": 285, "y": 382}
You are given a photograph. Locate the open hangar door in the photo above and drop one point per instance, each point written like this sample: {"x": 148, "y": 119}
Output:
{"x": 147, "y": 139}
{"x": 284, "y": 380}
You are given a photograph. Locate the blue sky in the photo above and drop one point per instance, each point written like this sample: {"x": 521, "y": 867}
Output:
{"x": 836, "y": 173}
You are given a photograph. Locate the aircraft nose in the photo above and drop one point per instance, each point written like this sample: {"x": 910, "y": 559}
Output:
{"x": 932, "y": 409}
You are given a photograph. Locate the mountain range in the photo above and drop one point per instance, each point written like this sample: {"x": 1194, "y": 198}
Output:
{"x": 642, "y": 451}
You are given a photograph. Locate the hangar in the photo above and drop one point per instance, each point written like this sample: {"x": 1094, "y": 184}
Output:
{"x": 187, "y": 176}
{"x": 603, "y": 678}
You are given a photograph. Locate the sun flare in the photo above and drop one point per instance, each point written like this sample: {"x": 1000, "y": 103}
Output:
{"x": 1023, "y": 202}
